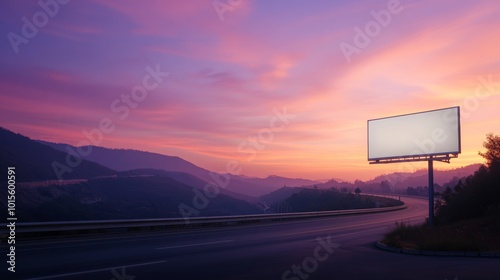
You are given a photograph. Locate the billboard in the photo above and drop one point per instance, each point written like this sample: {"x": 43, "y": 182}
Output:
{"x": 435, "y": 132}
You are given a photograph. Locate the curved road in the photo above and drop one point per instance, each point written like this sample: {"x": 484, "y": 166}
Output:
{"x": 321, "y": 248}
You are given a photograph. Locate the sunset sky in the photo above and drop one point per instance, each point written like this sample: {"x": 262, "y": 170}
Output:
{"x": 231, "y": 68}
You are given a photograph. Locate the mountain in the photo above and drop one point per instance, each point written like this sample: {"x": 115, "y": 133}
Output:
{"x": 92, "y": 191}
{"x": 187, "y": 179}
{"x": 281, "y": 194}
{"x": 404, "y": 182}
{"x": 326, "y": 200}
{"x": 282, "y": 181}
{"x": 123, "y": 160}
{"x": 35, "y": 161}
{"x": 127, "y": 159}
{"x": 400, "y": 180}
{"x": 123, "y": 197}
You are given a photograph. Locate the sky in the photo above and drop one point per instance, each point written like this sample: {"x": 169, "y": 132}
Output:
{"x": 282, "y": 87}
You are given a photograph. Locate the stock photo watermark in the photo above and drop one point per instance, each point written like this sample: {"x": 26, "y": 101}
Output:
{"x": 30, "y": 28}
{"x": 223, "y": 6}
{"x": 12, "y": 218}
{"x": 122, "y": 275}
{"x": 310, "y": 264}
{"x": 253, "y": 144}
{"x": 121, "y": 107}
{"x": 363, "y": 37}
{"x": 250, "y": 147}
{"x": 485, "y": 88}
{"x": 424, "y": 146}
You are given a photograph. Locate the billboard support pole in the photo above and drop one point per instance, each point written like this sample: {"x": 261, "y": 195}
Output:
{"x": 403, "y": 138}
{"x": 431, "y": 191}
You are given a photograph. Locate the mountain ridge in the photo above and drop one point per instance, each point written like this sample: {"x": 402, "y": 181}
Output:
{"x": 106, "y": 161}
{"x": 35, "y": 161}
{"x": 129, "y": 159}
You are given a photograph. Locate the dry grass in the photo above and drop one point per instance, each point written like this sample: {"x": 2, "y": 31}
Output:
{"x": 472, "y": 235}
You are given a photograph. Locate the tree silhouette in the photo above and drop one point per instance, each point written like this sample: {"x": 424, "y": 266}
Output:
{"x": 357, "y": 190}
{"x": 477, "y": 195}
{"x": 492, "y": 145}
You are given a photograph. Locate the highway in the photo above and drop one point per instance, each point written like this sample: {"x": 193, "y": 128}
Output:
{"x": 319, "y": 248}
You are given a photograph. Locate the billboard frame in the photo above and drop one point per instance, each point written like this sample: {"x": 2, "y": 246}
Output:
{"x": 444, "y": 157}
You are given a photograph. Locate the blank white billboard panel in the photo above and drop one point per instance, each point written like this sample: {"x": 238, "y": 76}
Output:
{"x": 428, "y": 133}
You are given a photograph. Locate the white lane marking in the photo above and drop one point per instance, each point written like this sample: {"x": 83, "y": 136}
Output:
{"x": 345, "y": 227}
{"x": 353, "y": 233}
{"x": 135, "y": 238}
{"x": 94, "y": 270}
{"x": 126, "y": 239}
{"x": 359, "y": 232}
{"x": 193, "y": 245}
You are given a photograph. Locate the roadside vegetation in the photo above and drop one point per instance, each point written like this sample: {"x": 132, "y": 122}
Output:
{"x": 325, "y": 200}
{"x": 467, "y": 217}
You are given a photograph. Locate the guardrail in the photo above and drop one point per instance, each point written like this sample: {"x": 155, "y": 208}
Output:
{"x": 79, "y": 227}
{"x": 396, "y": 196}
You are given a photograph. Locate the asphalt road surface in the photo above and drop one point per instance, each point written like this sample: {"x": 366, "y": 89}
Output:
{"x": 320, "y": 248}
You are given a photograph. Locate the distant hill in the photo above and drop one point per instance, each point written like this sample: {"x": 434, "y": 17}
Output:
{"x": 119, "y": 198}
{"x": 123, "y": 160}
{"x": 403, "y": 180}
{"x": 280, "y": 194}
{"x": 127, "y": 159}
{"x": 33, "y": 161}
{"x": 279, "y": 181}
{"x": 325, "y": 200}
{"x": 187, "y": 179}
